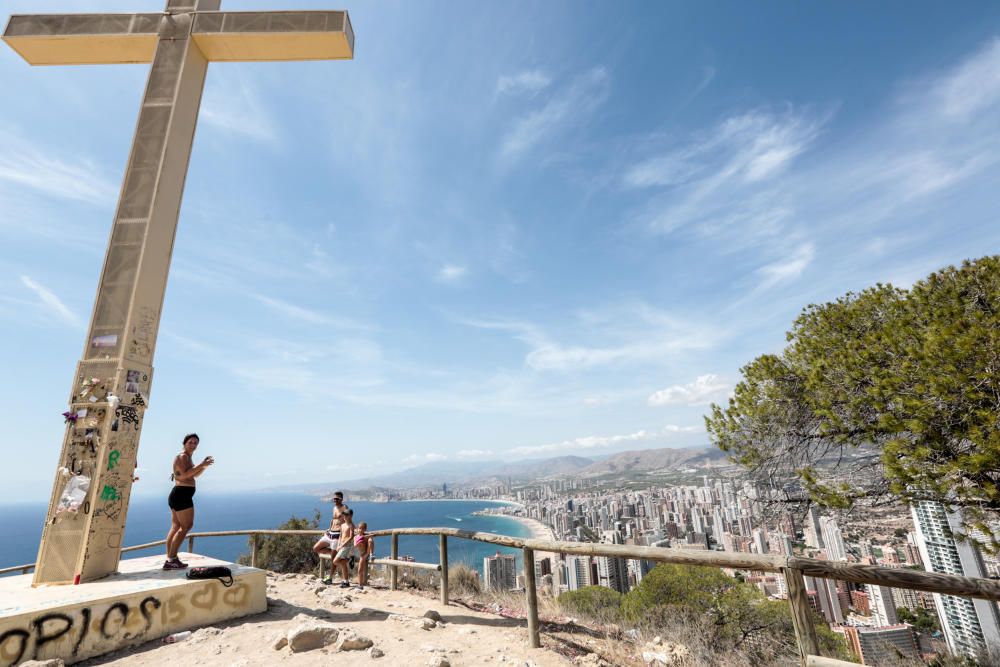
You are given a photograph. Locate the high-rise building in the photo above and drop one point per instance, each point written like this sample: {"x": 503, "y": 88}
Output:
{"x": 883, "y": 607}
{"x": 577, "y": 572}
{"x": 812, "y": 531}
{"x": 912, "y": 551}
{"x": 832, "y": 538}
{"x": 612, "y": 572}
{"x": 760, "y": 541}
{"x": 638, "y": 569}
{"x": 827, "y": 597}
{"x": 697, "y": 522}
{"x": 905, "y": 598}
{"x": 718, "y": 526}
{"x": 500, "y": 571}
{"x": 860, "y": 602}
{"x": 969, "y": 625}
{"x": 877, "y": 646}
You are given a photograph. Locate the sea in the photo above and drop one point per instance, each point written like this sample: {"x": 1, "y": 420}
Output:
{"x": 149, "y": 520}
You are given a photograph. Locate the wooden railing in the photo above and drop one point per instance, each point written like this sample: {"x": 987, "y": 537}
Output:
{"x": 792, "y": 568}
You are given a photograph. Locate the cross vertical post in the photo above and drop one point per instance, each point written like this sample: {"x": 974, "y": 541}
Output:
{"x": 82, "y": 537}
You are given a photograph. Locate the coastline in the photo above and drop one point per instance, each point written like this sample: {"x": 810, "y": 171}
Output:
{"x": 539, "y": 530}
{"x": 453, "y": 500}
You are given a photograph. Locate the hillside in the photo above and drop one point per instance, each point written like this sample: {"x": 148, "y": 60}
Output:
{"x": 455, "y": 472}
{"x": 656, "y": 461}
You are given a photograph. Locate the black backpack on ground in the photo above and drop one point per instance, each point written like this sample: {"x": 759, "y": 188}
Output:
{"x": 219, "y": 572}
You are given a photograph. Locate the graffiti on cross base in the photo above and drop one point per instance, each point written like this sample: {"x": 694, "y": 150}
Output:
{"x": 97, "y": 629}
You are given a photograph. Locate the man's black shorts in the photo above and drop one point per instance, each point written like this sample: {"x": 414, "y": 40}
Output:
{"x": 181, "y": 498}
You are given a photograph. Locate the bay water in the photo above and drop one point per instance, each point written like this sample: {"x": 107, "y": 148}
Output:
{"x": 149, "y": 520}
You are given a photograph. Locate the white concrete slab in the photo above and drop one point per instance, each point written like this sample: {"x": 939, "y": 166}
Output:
{"x": 139, "y": 603}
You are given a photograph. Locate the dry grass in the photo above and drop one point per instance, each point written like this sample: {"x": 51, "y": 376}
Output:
{"x": 572, "y": 635}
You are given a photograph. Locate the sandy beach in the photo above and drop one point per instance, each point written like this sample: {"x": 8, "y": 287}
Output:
{"x": 539, "y": 530}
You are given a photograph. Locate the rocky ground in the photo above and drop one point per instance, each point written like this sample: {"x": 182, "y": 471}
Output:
{"x": 308, "y": 623}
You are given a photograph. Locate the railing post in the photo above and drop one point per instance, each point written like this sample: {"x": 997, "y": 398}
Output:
{"x": 805, "y": 633}
{"x": 532, "y": 595}
{"x": 443, "y": 541}
{"x": 253, "y": 550}
{"x": 394, "y": 569}
{"x": 190, "y": 545}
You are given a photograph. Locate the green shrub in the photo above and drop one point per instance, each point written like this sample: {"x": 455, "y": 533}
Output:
{"x": 593, "y": 602}
{"x": 287, "y": 553}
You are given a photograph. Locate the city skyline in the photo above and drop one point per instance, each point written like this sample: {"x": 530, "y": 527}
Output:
{"x": 728, "y": 511}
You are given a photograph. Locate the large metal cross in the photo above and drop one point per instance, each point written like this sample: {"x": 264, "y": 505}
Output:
{"x": 86, "y": 518}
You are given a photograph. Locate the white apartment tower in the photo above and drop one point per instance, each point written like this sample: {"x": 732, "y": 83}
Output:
{"x": 883, "y": 606}
{"x": 717, "y": 526}
{"x": 500, "y": 572}
{"x": 697, "y": 522}
{"x": 612, "y": 572}
{"x": 760, "y": 541}
{"x": 577, "y": 572}
{"x": 969, "y": 625}
{"x": 812, "y": 532}
{"x": 833, "y": 539}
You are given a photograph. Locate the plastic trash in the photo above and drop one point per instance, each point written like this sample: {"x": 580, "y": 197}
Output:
{"x": 73, "y": 494}
{"x": 177, "y": 637}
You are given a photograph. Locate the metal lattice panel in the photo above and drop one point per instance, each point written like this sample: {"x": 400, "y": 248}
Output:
{"x": 269, "y": 22}
{"x": 62, "y": 25}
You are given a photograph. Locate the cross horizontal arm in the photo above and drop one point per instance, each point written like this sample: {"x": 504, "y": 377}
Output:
{"x": 83, "y": 39}
{"x": 257, "y": 36}
{"x": 92, "y": 39}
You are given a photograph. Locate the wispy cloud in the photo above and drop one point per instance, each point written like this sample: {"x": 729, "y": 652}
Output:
{"x": 308, "y": 315}
{"x": 620, "y": 336}
{"x": 233, "y": 105}
{"x": 971, "y": 87}
{"x": 350, "y": 467}
{"x": 52, "y": 173}
{"x": 564, "y": 107}
{"x": 425, "y": 458}
{"x": 528, "y": 81}
{"x": 707, "y": 76}
{"x": 704, "y": 390}
{"x": 451, "y": 273}
{"x": 474, "y": 453}
{"x": 726, "y": 173}
{"x": 750, "y": 184}
{"x": 592, "y": 442}
{"x": 50, "y": 302}
{"x": 788, "y": 268}
{"x": 674, "y": 428}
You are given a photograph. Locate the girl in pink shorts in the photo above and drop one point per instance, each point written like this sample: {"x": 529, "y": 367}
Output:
{"x": 365, "y": 545}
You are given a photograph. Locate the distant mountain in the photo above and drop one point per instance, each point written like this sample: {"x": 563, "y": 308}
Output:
{"x": 456, "y": 472}
{"x": 453, "y": 473}
{"x": 656, "y": 460}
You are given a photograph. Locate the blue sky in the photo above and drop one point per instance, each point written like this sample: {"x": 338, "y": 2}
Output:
{"x": 503, "y": 231}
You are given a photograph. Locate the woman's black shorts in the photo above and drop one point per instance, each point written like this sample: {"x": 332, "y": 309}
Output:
{"x": 181, "y": 498}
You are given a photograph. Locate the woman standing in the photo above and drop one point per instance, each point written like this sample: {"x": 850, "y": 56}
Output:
{"x": 181, "y": 500}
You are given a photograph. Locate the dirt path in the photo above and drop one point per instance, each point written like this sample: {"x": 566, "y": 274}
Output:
{"x": 393, "y": 621}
